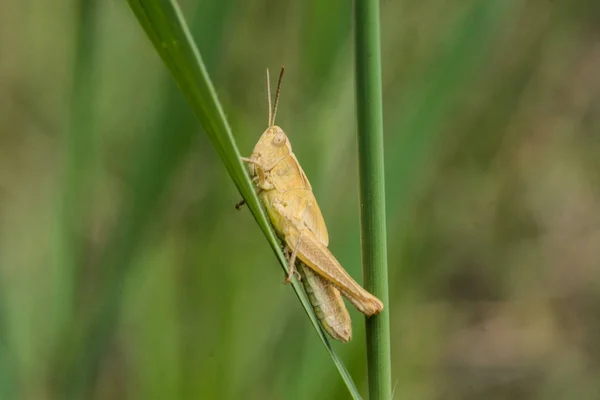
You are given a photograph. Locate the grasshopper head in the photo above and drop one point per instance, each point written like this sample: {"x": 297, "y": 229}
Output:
{"x": 272, "y": 147}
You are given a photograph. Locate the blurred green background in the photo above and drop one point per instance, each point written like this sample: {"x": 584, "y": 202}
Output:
{"x": 126, "y": 272}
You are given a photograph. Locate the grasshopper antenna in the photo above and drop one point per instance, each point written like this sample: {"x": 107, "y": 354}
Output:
{"x": 271, "y": 123}
{"x": 269, "y": 97}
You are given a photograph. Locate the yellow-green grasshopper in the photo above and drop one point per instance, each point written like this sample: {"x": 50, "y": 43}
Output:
{"x": 295, "y": 214}
{"x": 325, "y": 299}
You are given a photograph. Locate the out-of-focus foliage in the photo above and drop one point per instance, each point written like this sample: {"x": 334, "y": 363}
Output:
{"x": 111, "y": 194}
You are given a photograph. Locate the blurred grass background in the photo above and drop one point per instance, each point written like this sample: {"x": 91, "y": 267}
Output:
{"x": 110, "y": 193}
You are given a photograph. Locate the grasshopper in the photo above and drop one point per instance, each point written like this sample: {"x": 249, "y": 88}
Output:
{"x": 293, "y": 210}
{"x": 325, "y": 299}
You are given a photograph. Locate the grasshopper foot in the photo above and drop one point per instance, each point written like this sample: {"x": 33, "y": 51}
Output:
{"x": 291, "y": 274}
{"x": 240, "y": 204}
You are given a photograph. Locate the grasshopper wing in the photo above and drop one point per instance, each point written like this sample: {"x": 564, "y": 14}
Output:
{"x": 313, "y": 220}
{"x": 291, "y": 182}
{"x": 301, "y": 205}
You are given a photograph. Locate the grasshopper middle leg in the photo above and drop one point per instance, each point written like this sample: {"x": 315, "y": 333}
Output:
{"x": 292, "y": 262}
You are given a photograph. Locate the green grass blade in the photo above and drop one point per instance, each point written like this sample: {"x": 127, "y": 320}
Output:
{"x": 372, "y": 191}
{"x": 165, "y": 27}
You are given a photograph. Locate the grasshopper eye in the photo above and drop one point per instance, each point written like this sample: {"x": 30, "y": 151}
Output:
{"x": 279, "y": 139}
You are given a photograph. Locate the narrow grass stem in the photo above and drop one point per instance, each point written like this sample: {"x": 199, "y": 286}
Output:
{"x": 372, "y": 190}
